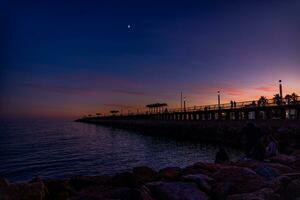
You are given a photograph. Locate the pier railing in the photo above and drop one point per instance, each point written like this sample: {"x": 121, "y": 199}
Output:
{"x": 216, "y": 107}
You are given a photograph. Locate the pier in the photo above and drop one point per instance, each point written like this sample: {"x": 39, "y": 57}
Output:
{"x": 262, "y": 109}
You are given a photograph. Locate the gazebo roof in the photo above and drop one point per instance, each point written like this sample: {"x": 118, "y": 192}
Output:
{"x": 156, "y": 105}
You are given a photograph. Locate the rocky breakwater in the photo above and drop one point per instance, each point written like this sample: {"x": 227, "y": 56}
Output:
{"x": 277, "y": 178}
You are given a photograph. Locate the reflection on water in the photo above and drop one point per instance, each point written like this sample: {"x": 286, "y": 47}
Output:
{"x": 62, "y": 149}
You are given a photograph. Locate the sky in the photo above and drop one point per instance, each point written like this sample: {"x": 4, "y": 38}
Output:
{"x": 65, "y": 59}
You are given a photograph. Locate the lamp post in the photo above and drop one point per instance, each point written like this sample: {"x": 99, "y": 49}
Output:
{"x": 184, "y": 104}
{"x": 219, "y": 100}
{"x": 181, "y": 101}
{"x": 280, "y": 89}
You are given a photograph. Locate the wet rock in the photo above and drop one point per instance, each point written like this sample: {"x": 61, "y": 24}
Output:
{"x": 243, "y": 180}
{"x": 145, "y": 174}
{"x": 220, "y": 190}
{"x": 146, "y": 193}
{"x": 283, "y": 159}
{"x": 58, "y": 189}
{"x": 24, "y": 191}
{"x": 202, "y": 168}
{"x": 125, "y": 179}
{"x": 176, "y": 191}
{"x": 3, "y": 182}
{"x": 201, "y": 180}
{"x": 209, "y": 168}
{"x": 293, "y": 189}
{"x": 293, "y": 175}
{"x": 280, "y": 168}
{"x": 266, "y": 172}
{"x": 247, "y": 163}
{"x": 170, "y": 173}
{"x": 124, "y": 193}
{"x": 263, "y": 194}
{"x": 36, "y": 179}
{"x": 296, "y": 164}
{"x": 81, "y": 182}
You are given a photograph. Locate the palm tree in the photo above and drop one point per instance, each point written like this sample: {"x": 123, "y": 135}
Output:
{"x": 262, "y": 101}
{"x": 294, "y": 97}
{"x": 277, "y": 99}
{"x": 288, "y": 98}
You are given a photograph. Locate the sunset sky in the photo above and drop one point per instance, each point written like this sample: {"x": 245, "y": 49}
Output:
{"x": 69, "y": 58}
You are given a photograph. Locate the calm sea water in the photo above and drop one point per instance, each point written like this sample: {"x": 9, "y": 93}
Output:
{"x": 58, "y": 149}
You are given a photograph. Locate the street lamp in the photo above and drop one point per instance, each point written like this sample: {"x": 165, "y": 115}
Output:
{"x": 219, "y": 100}
{"x": 280, "y": 89}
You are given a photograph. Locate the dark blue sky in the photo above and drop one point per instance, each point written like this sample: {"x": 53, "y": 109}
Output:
{"x": 66, "y": 58}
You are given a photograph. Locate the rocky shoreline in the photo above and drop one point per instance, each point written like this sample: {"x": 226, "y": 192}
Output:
{"x": 277, "y": 178}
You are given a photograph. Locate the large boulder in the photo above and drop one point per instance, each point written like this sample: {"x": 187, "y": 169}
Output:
{"x": 145, "y": 174}
{"x": 125, "y": 179}
{"x": 170, "y": 173}
{"x": 293, "y": 190}
{"x": 220, "y": 190}
{"x": 81, "y": 182}
{"x": 263, "y": 194}
{"x": 252, "y": 164}
{"x": 280, "y": 168}
{"x": 176, "y": 191}
{"x": 58, "y": 189}
{"x": 208, "y": 168}
{"x": 3, "y": 182}
{"x": 242, "y": 180}
{"x": 123, "y": 193}
{"x": 266, "y": 172}
{"x": 283, "y": 159}
{"x": 24, "y": 191}
{"x": 201, "y": 180}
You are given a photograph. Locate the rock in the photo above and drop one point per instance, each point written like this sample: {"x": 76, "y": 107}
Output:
{"x": 293, "y": 175}
{"x": 247, "y": 163}
{"x": 281, "y": 169}
{"x": 293, "y": 189}
{"x": 283, "y": 159}
{"x": 220, "y": 190}
{"x": 242, "y": 180}
{"x": 200, "y": 179}
{"x": 124, "y": 193}
{"x": 24, "y": 191}
{"x": 170, "y": 173}
{"x": 145, "y": 193}
{"x": 58, "y": 189}
{"x": 3, "y": 182}
{"x": 296, "y": 164}
{"x": 202, "y": 168}
{"x": 81, "y": 182}
{"x": 176, "y": 191}
{"x": 262, "y": 194}
{"x": 125, "y": 179}
{"x": 266, "y": 172}
{"x": 145, "y": 174}
{"x": 36, "y": 179}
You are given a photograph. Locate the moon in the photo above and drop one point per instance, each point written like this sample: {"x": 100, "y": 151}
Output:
{"x": 129, "y": 26}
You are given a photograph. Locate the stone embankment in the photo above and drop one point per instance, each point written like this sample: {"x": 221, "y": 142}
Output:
{"x": 277, "y": 178}
{"x": 230, "y": 133}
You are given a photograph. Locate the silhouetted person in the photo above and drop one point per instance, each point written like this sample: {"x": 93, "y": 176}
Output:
{"x": 221, "y": 156}
{"x": 231, "y": 104}
{"x": 234, "y": 104}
